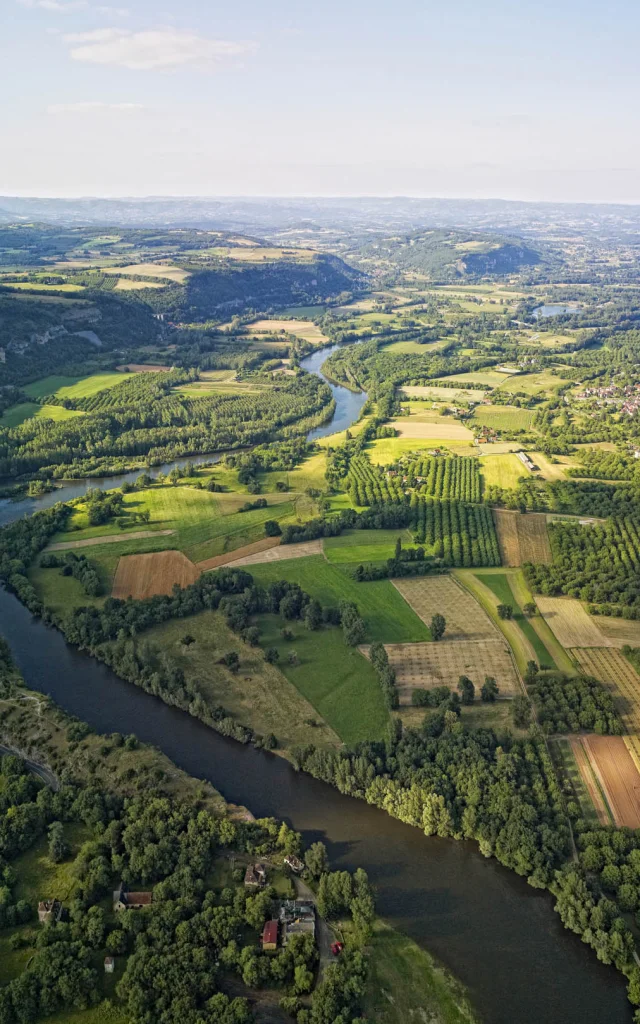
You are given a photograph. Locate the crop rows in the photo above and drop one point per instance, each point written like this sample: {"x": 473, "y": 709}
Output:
{"x": 446, "y": 477}
{"x": 369, "y": 485}
{"x": 462, "y": 535}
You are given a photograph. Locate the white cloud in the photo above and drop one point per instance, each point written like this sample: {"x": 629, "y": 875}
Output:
{"x": 157, "y": 49}
{"x": 69, "y": 6}
{"x": 56, "y": 6}
{"x": 91, "y": 107}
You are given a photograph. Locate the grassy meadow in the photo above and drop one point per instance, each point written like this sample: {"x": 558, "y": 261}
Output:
{"x": 502, "y": 470}
{"x": 387, "y": 615}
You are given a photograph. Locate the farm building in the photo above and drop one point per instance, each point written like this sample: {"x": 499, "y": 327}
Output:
{"x": 255, "y": 877}
{"x": 298, "y": 917}
{"x": 526, "y": 461}
{"x": 125, "y": 900}
{"x": 270, "y": 936}
{"x": 49, "y": 911}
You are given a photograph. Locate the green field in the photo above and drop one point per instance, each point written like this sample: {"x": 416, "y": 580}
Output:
{"x": 258, "y": 695}
{"x": 406, "y": 984}
{"x": 385, "y": 450}
{"x": 490, "y": 377}
{"x": 387, "y": 615}
{"x": 74, "y": 387}
{"x": 502, "y": 417}
{"x": 18, "y": 414}
{"x": 204, "y": 524}
{"x": 502, "y": 470}
{"x": 358, "y": 546}
{"x": 532, "y": 383}
{"x": 499, "y": 584}
{"x": 337, "y": 680}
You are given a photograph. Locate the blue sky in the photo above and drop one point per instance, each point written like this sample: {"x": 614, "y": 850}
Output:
{"x": 519, "y": 100}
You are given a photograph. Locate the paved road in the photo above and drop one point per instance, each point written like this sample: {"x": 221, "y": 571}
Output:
{"x": 38, "y": 769}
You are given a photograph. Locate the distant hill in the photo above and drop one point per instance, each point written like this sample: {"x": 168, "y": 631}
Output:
{"x": 445, "y": 256}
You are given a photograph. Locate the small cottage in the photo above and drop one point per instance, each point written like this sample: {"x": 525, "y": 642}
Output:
{"x": 255, "y": 876}
{"x": 109, "y": 964}
{"x": 49, "y": 911}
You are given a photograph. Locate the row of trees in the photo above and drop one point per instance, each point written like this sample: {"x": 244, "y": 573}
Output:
{"x": 443, "y": 477}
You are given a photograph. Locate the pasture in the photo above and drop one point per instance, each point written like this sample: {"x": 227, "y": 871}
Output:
{"x": 489, "y": 377}
{"x": 551, "y": 467}
{"x": 387, "y": 615}
{"x": 502, "y": 470}
{"x": 503, "y": 417}
{"x": 359, "y": 546}
{"x": 532, "y": 383}
{"x": 522, "y": 537}
{"x": 426, "y": 392}
{"x": 335, "y": 679}
{"x": 570, "y": 623}
{"x": 386, "y": 450}
{"x": 18, "y": 414}
{"x": 74, "y": 387}
{"x": 40, "y": 286}
{"x": 258, "y": 695}
{"x": 466, "y": 620}
{"x": 423, "y": 666}
{"x": 306, "y": 329}
{"x": 142, "y": 576}
{"x": 174, "y": 274}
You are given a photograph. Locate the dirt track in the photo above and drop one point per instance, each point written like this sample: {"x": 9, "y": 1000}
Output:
{"x": 111, "y": 538}
{"x": 143, "y": 576}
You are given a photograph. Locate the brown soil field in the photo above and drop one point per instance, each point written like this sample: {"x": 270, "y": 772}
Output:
{"x": 427, "y": 665}
{"x": 522, "y": 537}
{"x": 232, "y": 556}
{"x": 143, "y": 576}
{"x": 466, "y": 620}
{"x": 586, "y": 771}
{"x": 282, "y": 553}
{"x": 112, "y": 538}
{"x": 618, "y": 776}
{"x": 570, "y": 623}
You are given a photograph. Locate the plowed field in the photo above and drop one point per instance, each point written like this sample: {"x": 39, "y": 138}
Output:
{"x": 143, "y": 576}
{"x": 522, "y": 537}
{"x": 618, "y": 777}
{"x": 425, "y": 666}
{"x": 466, "y": 620}
{"x": 612, "y": 668}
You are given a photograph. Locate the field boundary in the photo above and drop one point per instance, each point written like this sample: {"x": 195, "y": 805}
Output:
{"x": 111, "y": 538}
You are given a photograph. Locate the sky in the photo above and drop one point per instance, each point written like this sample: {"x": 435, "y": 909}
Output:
{"x": 529, "y": 100}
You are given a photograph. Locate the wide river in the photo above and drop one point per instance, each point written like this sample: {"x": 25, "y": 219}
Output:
{"x": 499, "y": 936}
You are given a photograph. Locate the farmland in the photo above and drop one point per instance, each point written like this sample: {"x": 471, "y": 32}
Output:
{"x": 141, "y": 576}
{"x": 166, "y": 272}
{"x": 387, "y": 615}
{"x": 423, "y": 426}
{"x": 429, "y": 595}
{"x": 618, "y": 777}
{"x": 305, "y": 329}
{"x": 522, "y": 537}
{"x": 500, "y": 585}
{"x": 74, "y": 387}
{"x": 502, "y": 417}
{"x": 424, "y": 666}
{"x": 570, "y": 623}
{"x": 502, "y": 470}
{"x": 611, "y": 667}
{"x": 358, "y": 546}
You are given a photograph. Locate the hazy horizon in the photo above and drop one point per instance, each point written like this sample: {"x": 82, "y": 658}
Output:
{"x": 531, "y": 102}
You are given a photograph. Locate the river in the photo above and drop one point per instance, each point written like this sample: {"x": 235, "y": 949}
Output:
{"x": 499, "y": 936}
